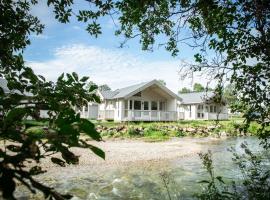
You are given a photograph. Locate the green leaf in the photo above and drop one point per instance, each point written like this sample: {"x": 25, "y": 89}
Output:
{"x": 84, "y": 79}
{"x": 36, "y": 170}
{"x": 75, "y": 76}
{"x": 219, "y": 178}
{"x": 99, "y": 152}
{"x": 89, "y": 128}
{"x": 16, "y": 114}
{"x": 14, "y": 148}
{"x": 58, "y": 161}
{"x": 204, "y": 181}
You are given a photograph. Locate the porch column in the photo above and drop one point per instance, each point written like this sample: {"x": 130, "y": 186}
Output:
{"x": 150, "y": 110}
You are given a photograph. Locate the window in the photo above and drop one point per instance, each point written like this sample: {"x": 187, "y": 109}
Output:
{"x": 153, "y": 105}
{"x": 213, "y": 109}
{"x": 190, "y": 111}
{"x": 200, "y": 115}
{"x": 130, "y": 105}
{"x": 146, "y": 105}
{"x": 137, "y": 105}
{"x": 200, "y": 107}
{"x": 139, "y": 94}
{"x": 126, "y": 104}
{"x": 161, "y": 105}
{"x": 86, "y": 108}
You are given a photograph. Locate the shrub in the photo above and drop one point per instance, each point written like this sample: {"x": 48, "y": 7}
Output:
{"x": 132, "y": 131}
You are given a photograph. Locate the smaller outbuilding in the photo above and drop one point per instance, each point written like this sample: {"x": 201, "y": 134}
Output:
{"x": 202, "y": 106}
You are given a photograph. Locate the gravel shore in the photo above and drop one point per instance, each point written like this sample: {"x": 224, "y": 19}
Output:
{"x": 121, "y": 153}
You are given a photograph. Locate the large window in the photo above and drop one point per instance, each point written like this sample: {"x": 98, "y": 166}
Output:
{"x": 146, "y": 105}
{"x": 137, "y": 105}
{"x": 130, "y": 104}
{"x": 153, "y": 105}
{"x": 200, "y": 115}
{"x": 200, "y": 107}
{"x": 213, "y": 109}
{"x": 162, "y": 106}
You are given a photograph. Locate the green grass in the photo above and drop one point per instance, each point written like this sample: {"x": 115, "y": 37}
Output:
{"x": 160, "y": 131}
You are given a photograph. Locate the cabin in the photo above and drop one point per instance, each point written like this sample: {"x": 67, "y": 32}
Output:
{"x": 153, "y": 101}
{"x": 148, "y": 101}
{"x": 202, "y": 106}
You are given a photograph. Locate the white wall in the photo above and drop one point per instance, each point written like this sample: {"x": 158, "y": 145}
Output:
{"x": 207, "y": 114}
{"x": 119, "y": 110}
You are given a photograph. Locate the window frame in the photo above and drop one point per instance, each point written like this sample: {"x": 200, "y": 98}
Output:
{"x": 152, "y": 105}
{"x": 136, "y": 101}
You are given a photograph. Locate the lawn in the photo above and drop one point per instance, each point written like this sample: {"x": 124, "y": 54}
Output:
{"x": 160, "y": 131}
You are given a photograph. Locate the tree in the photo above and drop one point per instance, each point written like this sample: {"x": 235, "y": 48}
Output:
{"x": 184, "y": 90}
{"x": 27, "y": 94}
{"x": 232, "y": 39}
{"x": 104, "y": 87}
{"x": 162, "y": 82}
{"x": 197, "y": 87}
{"x": 229, "y": 94}
{"x": 236, "y": 33}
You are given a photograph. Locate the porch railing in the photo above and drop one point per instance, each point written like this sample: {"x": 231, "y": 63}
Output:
{"x": 220, "y": 116}
{"x": 106, "y": 114}
{"x": 153, "y": 115}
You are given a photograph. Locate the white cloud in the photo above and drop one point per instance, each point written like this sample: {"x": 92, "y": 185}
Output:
{"x": 113, "y": 67}
{"x": 44, "y": 13}
{"x": 77, "y": 27}
{"x": 41, "y": 36}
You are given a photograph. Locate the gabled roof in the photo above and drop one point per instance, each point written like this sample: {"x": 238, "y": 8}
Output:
{"x": 131, "y": 90}
{"x": 3, "y": 85}
{"x": 196, "y": 97}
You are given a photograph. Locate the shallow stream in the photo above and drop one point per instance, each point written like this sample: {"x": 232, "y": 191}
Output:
{"x": 179, "y": 177}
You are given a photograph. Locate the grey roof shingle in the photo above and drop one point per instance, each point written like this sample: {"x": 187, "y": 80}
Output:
{"x": 196, "y": 97}
{"x": 108, "y": 94}
{"x": 123, "y": 92}
{"x": 127, "y": 90}
{"x": 120, "y": 93}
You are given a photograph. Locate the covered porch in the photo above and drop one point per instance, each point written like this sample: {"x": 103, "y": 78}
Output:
{"x": 151, "y": 104}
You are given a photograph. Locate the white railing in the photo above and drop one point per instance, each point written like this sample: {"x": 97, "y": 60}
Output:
{"x": 106, "y": 114}
{"x": 220, "y": 116}
{"x": 180, "y": 115}
{"x": 153, "y": 115}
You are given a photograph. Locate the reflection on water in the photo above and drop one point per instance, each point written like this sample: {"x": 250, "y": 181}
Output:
{"x": 181, "y": 176}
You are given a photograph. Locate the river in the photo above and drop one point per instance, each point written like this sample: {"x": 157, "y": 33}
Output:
{"x": 151, "y": 180}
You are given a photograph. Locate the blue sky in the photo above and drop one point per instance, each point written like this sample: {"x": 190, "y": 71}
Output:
{"x": 68, "y": 47}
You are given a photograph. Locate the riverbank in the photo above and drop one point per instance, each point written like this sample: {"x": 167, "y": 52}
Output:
{"x": 160, "y": 131}
{"x": 121, "y": 153}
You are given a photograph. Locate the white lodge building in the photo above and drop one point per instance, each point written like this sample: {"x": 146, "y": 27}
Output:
{"x": 152, "y": 101}
{"x": 201, "y": 105}
{"x": 149, "y": 101}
